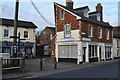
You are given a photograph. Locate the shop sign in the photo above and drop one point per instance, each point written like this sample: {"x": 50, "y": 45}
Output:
{"x": 86, "y": 39}
{"x": 69, "y": 43}
{"x": 10, "y": 44}
{"x": 67, "y": 39}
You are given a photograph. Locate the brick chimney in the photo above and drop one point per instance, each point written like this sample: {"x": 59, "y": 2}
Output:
{"x": 69, "y": 4}
{"x": 100, "y": 9}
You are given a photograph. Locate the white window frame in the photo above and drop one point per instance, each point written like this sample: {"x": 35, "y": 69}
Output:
{"x": 28, "y": 35}
{"x": 100, "y": 33}
{"x": 107, "y": 34}
{"x": 4, "y": 33}
{"x": 65, "y": 30}
{"x": 62, "y": 15}
{"x": 91, "y": 31}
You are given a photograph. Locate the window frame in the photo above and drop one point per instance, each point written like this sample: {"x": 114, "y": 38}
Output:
{"x": 24, "y": 35}
{"x": 91, "y": 31}
{"x": 7, "y": 33}
{"x": 100, "y": 33}
{"x": 67, "y": 33}
{"x": 107, "y": 34}
{"x": 62, "y": 15}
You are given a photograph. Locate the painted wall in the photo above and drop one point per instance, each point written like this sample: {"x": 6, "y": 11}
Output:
{"x": 116, "y": 43}
{"x": 31, "y": 34}
{"x": 74, "y": 34}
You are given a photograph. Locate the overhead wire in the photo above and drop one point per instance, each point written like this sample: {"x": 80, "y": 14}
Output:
{"x": 6, "y": 12}
{"x": 40, "y": 13}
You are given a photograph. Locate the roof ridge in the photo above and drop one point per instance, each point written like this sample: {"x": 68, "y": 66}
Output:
{"x": 18, "y": 20}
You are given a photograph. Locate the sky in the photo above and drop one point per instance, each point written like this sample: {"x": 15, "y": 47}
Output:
{"x": 28, "y": 13}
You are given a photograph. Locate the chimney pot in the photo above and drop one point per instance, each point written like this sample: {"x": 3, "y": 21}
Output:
{"x": 69, "y": 4}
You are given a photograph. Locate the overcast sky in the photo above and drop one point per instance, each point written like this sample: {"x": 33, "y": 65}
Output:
{"x": 28, "y": 13}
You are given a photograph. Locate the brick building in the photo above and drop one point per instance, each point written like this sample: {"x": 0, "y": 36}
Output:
{"x": 44, "y": 41}
{"x": 81, "y": 36}
{"x": 116, "y": 42}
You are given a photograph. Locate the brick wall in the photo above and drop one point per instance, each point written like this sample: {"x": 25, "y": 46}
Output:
{"x": 45, "y": 36}
{"x": 70, "y": 19}
{"x": 95, "y": 32}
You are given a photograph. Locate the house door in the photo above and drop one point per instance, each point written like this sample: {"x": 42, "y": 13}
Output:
{"x": 84, "y": 52}
{"x": 100, "y": 52}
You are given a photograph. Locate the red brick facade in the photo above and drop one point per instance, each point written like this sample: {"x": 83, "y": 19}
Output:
{"x": 68, "y": 19}
{"x": 71, "y": 19}
{"x": 95, "y": 32}
{"x": 44, "y": 37}
{"x": 116, "y": 29}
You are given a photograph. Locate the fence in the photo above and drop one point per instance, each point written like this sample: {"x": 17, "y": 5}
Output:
{"x": 13, "y": 63}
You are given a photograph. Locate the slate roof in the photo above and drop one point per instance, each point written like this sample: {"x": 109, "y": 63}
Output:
{"x": 94, "y": 12}
{"x": 86, "y": 18}
{"x": 51, "y": 28}
{"x": 81, "y": 8}
{"x": 10, "y": 22}
{"x": 116, "y": 35}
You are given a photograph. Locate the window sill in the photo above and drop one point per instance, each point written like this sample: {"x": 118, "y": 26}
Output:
{"x": 90, "y": 36}
{"x": 100, "y": 38}
{"x": 6, "y": 38}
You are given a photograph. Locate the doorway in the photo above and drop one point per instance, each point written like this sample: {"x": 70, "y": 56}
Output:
{"x": 84, "y": 52}
{"x": 100, "y": 52}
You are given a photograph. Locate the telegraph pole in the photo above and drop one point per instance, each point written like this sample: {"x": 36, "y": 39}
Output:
{"x": 15, "y": 26}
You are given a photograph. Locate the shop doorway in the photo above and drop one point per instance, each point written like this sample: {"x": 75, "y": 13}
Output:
{"x": 100, "y": 52}
{"x": 84, "y": 52}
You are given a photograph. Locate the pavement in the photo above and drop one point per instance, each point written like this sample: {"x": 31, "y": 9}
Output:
{"x": 32, "y": 68}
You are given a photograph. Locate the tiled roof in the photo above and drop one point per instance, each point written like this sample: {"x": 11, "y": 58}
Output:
{"x": 10, "y": 22}
{"x": 86, "y": 18}
{"x": 116, "y": 35}
{"x": 94, "y": 12}
{"x": 81, "y": 8}
{"x": 51, "y": 28}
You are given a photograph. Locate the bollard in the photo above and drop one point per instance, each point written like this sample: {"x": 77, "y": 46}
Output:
{"x": 41, "y": 64}
{"x": 55, "y": 64}
{"x": 22, "y": 65}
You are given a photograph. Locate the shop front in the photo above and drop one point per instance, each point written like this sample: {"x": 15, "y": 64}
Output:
{"x": 26, "y": 49}
{"x": 84, "y": 51}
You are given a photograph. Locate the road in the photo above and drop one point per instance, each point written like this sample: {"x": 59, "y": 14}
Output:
{"x": 108, "y": 70}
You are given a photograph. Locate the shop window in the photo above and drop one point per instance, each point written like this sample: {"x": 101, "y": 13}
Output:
{"x": 99, "y": 33}
{"x": 6, "y": 33}
{"x": 107, "y": 52}
{"x": 89, "y": 30}
{"x": 25, "y": 34}
{"x": 67, "y": 30}
{"x": 92, "y": 51}
{"x": 61, "y": 15}
{"x": 107, "y": 34}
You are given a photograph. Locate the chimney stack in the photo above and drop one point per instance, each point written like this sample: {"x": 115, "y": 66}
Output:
{"x": 69, "y": 4}
{"x": 99, "y": 8}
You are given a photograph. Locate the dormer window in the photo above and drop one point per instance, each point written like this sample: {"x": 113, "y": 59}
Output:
{"x": 61, "y": 15}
